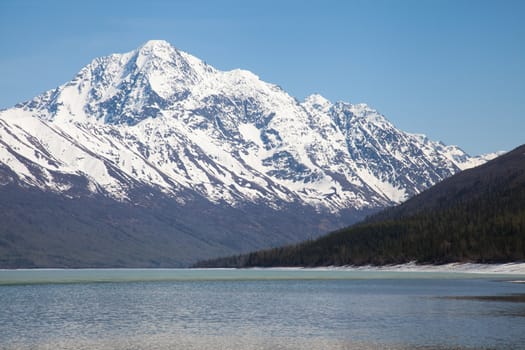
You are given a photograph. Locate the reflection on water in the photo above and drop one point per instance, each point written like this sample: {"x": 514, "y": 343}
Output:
{"x": 516, "y": 309}
{"x": 377, "y": 313}
{"x": 513, "y": 298}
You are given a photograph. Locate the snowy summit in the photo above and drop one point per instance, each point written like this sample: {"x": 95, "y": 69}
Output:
{"x": 160, "y": 118}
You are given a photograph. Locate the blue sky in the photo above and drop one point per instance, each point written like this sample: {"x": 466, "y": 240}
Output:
{"x": 453, "y": 70}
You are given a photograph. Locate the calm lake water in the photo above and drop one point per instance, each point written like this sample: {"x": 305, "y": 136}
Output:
{"x": 258, "y": 309}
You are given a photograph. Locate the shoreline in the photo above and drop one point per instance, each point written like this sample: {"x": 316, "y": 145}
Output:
{"x": 517, "y": 268}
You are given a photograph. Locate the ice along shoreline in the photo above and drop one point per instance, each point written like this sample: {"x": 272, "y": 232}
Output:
{"x": 504, "y": 268}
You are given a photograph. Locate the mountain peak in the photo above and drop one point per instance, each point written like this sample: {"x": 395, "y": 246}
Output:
{"x": 317, "y": 102}
{"x": 365, "y": 112}
{"x": 316, "y": 98}
{"x": 156, "y": 45}
{"x": 157, "y": 50}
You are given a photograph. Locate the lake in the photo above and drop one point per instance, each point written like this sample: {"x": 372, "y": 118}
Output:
{"x": 259, "y": 309}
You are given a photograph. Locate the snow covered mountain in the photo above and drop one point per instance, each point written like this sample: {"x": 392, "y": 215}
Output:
{"x": 159, "y": 120}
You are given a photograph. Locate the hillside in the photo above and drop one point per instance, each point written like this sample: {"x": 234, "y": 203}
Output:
{"x": 477, "y": 215}
{"x": 40, "y": 229}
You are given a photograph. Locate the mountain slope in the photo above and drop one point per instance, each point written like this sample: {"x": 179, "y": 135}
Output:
{"x": 42, "y": 229}
{"x": 477, "y": 215}
{"x": 157, "y": 124}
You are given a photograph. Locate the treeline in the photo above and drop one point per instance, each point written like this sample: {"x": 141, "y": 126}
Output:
{"x": 485, "y": 227}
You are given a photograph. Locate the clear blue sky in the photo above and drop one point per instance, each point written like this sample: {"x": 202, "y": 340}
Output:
{"x": 451, "y": 69}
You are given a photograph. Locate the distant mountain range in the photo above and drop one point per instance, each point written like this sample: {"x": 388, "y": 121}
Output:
{"x": 477, "y": 215}
{"x": 155, "y": 158}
